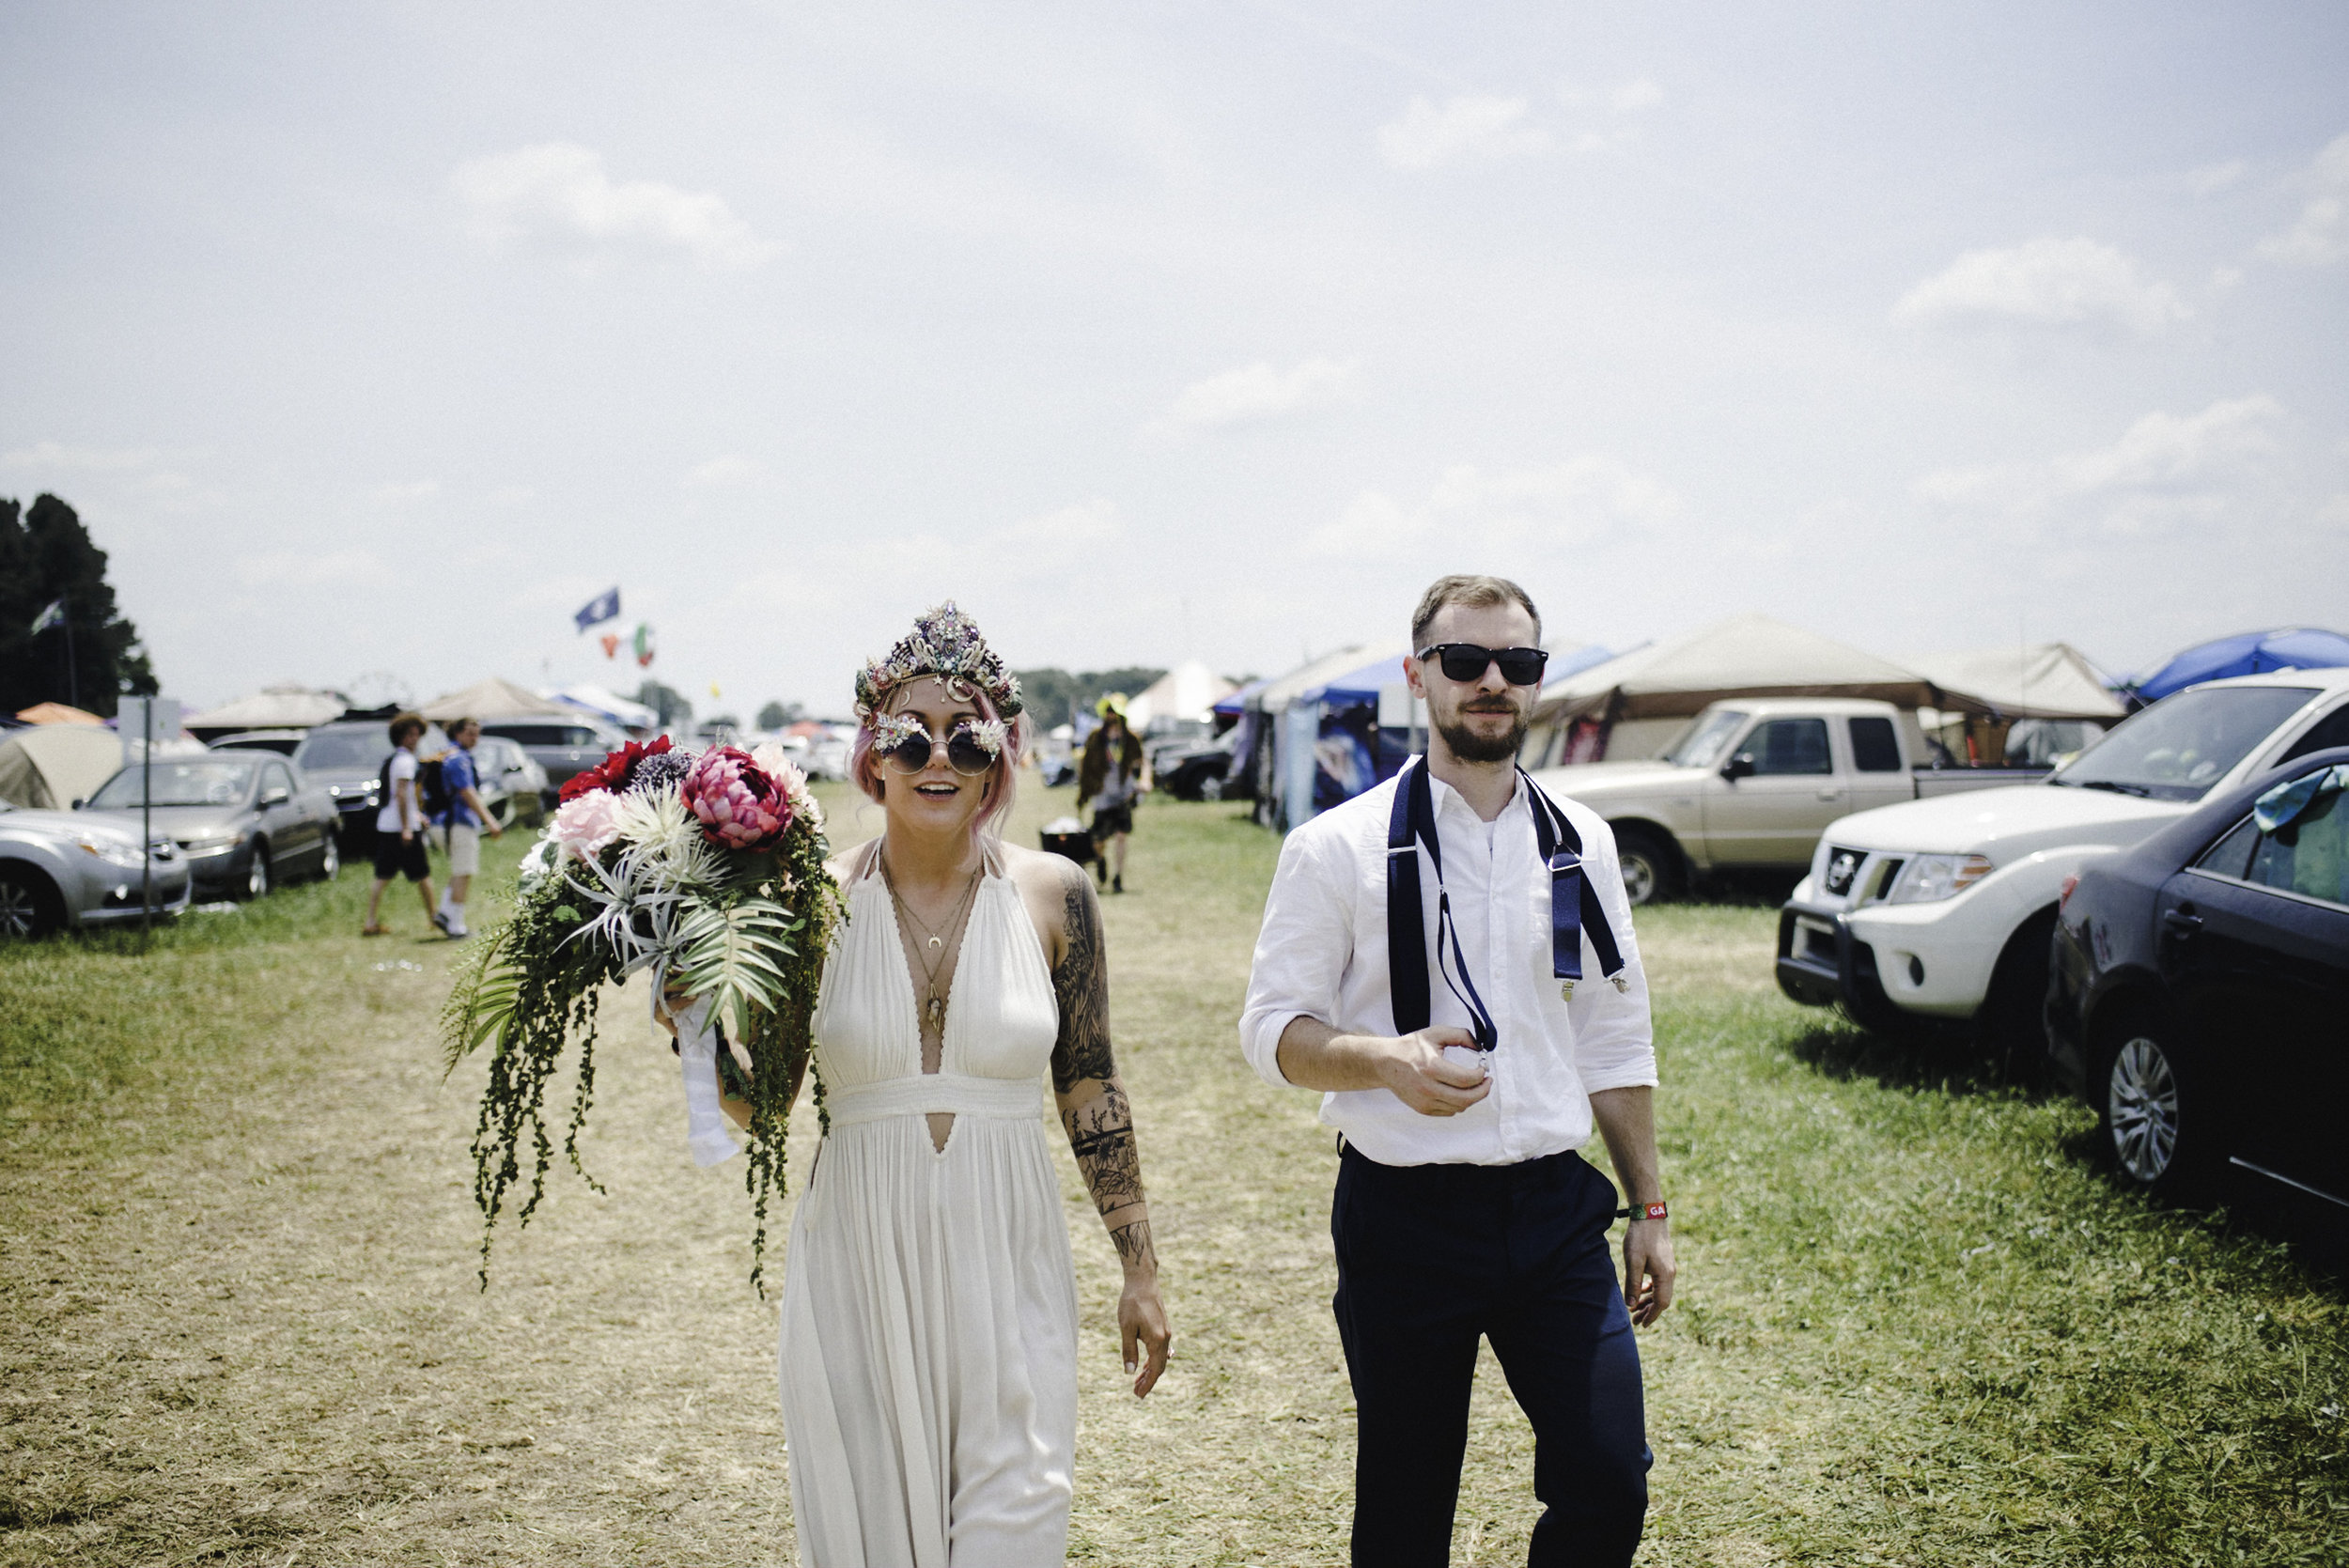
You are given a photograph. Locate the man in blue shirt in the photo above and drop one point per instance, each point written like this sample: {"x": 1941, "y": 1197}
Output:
{"x": 460, "y": 822}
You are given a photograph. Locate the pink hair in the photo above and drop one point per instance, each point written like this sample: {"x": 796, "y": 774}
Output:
{"x": 1003, "y": 780}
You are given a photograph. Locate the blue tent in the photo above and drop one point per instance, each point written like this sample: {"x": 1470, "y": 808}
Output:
{"x": 2250, "y": 654}
{"x": 1237, "y": 702}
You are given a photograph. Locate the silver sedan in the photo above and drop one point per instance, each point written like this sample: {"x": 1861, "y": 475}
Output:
{"x": 57, "y": 869}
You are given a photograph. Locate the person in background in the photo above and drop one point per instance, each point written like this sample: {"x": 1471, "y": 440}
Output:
{"x": 460, "y": 822}
{"x": 1109, "y": 778}
{"x": 399, "y": 825}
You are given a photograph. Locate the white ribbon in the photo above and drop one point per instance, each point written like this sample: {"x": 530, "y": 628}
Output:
{"x": 697, "y": 1053}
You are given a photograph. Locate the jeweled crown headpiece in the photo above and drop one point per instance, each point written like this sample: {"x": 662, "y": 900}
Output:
{"x": 947, "y": 643}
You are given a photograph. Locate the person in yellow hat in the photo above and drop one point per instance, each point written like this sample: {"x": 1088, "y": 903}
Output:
{"x": 1110, "y": 778}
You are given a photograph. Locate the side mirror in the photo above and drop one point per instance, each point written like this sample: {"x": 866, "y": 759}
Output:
{"x": 79, "y": 801}
{"x": 276, "y": 795}
{"x": 1739, "y": 767}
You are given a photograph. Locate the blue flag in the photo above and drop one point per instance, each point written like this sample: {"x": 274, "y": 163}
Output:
{"x": 54, "y": 616}
{"x": 603, "y": 607}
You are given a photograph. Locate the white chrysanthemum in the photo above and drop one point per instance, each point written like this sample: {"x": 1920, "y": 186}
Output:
{"x": 662, "y": 836}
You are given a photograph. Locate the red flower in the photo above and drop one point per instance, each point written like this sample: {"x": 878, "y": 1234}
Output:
{"x": 615, "y": 771}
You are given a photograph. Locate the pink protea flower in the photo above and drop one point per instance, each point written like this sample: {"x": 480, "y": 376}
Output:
{"x": 739, "y": 805}
{"x": 585, "y": 823}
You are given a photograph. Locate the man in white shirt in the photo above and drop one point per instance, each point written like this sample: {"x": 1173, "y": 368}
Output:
{"x": 1462, "y": 1209}
{"x": 399, "y": 825}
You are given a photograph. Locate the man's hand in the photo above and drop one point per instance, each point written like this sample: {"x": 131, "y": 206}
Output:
{"x": 1416, "y": 1069}
{"x": 1647, "y": 1269}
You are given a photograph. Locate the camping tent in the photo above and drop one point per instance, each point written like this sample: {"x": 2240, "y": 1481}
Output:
{"x": 1188, "y": 692}
{"x": 492, "y": 698}
{"x": 49, "y": 766}
{"x": 607, "y": 704}
{"x": 1632, "y": 704}
{"x": 273, "y": 708}
{"x": 2251, "y": 653}
{"x": 57, "y": 713}
{"x": 2049, "y": 681}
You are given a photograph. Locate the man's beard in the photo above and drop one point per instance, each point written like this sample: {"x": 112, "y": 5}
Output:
{"x": 1468, "y": 746}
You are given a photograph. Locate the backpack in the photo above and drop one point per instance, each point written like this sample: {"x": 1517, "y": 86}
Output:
{"x": 433, "y": 792}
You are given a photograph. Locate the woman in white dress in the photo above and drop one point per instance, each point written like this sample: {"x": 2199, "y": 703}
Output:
{"x": 929, "y": 1308}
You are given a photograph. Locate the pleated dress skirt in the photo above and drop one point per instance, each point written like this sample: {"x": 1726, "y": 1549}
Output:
{"x": 928, "y": 1357}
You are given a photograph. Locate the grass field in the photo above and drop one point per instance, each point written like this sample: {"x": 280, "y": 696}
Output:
{"x": 238, "y": 1253}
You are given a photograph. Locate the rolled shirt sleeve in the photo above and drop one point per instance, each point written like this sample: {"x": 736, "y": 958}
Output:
{"x": 1302, "y": 948}
{"x": 1614, "y": 1035}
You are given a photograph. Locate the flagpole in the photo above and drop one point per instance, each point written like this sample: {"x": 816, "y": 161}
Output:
{"x": 147, "y": 824}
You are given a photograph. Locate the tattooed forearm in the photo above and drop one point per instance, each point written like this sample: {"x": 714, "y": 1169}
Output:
{"x": 1133, "y": 1244}
{"x": 1082, "y": 983}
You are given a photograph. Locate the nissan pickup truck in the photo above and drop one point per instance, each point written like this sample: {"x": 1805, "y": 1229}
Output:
{"x": 1944, "y": 909}
{"x": 1751, "y": 784}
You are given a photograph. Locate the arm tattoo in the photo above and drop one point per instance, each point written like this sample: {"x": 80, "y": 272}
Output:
{"x": 1081, "y": 983}
{"x": 1101, "y": 1135}
{"x": 1133, "y": 1241}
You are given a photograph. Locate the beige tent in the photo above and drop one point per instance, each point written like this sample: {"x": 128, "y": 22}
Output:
{"x": 50, "y": 767}
{"x": 493, "y": 699}
{"x": 57, "y": 713}
{"x": 273, "y": 708}
{"x": 2049, "y": 681}
{"x": 1188, "y": 691}
{"x": 1635, "y": 703}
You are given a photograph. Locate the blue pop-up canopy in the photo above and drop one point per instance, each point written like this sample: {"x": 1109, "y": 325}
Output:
{"x": 1237, "y": 703}
{"x": 2250, "y": 654}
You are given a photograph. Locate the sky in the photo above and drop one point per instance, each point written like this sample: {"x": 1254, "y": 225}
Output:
{"x": 372, "y": 342}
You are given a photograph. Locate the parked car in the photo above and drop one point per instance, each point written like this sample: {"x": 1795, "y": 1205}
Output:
{"x": 2198, "y": 995}
{"x": 65, "y": 869}
{"x": 1751, "y": 784}
{"x": 563, "y": 747}
{"x": 284, "y": 742}
{"x": 1942, "y": 909}
{"x": 242, "y": 820}
{"x": 512, "y": 786}
{"x": 1199, "y": 772}
{"x": 346, "y": 759}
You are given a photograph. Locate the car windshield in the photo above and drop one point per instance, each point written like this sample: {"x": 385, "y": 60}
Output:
{"x": 216, "y": 781}
{"x": 1701, "y": 746}
{"x": 328, "y": 749}
{"x": 2182, "y": 745}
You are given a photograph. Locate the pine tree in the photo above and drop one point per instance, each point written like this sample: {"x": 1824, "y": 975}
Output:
{"x": 45, "y": 556}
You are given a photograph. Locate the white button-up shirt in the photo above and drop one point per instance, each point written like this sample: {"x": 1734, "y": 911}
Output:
{"x": 1322, "y": 954}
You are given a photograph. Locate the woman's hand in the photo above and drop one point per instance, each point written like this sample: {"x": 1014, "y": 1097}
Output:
{"x": 1141, "y": 1328}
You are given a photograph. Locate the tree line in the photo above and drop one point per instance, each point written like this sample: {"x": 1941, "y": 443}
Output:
{"x": 87, "y": 655}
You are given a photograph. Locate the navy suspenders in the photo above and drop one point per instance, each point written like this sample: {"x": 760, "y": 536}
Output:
{"x": 1574, "y": 909}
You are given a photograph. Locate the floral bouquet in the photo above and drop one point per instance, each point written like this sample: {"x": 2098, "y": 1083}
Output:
{"x": 707, "y": 870}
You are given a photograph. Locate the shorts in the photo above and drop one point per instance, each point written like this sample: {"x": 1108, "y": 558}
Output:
{"x": 462, "y": 845}
{"x": 1109, "y": 821}
{"x": 396, "y": 856}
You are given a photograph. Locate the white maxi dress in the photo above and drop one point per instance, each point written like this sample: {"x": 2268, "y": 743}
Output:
{"x": 929, "y": 1305}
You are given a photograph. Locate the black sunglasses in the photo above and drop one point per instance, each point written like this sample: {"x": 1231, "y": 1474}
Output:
{"x": 1466, "y": 661}
{"x": 964, "y": 754}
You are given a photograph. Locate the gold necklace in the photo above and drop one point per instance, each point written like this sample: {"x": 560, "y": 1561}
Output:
{"x": 933, "y": 1004}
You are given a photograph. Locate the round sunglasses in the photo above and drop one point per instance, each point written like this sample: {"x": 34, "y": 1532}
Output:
{"x": 1466, "y": 661}
{"x": 964, "y": 754}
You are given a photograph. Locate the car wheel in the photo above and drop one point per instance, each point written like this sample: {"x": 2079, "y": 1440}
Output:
{"x": 330, "y": 860}
{"x": 256, "y": 872}
{"x": 1651, "y": 866}
{"x": 29, "y": 907}
{"x": 2011, "y": 1023}
{"x": 2157, "y": 1126}
{"x": 1211, "y": 788}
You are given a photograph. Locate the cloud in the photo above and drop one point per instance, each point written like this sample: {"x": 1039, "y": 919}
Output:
{"x": 1469, "y": 508}
{"x": 2321, "y": 237}
{"x": 732, "y": 471}
{"x": 1632, "y": 96}
{"x": 1488, "y": 126}
{"x": 288, "y": 568}
{"x": 2167, "y": 471}
{"x": 2059, "y": 283}
{"x": 1257, "y": 394}
{"x": 2211, "y": 179}
{"x": 558, "y": 190}
{"x": 1091, "y": 522}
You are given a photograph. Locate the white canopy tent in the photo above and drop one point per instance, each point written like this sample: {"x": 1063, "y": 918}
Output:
{"x": 273, "y": 708}
{"x": 1186, "y": 693}
{"x": 607, "y": 704}
{"x": 2050, "y": 681}
{"x": 493, "y": 698}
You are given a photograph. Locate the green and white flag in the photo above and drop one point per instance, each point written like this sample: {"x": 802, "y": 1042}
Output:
{"x": 54, "y": 616}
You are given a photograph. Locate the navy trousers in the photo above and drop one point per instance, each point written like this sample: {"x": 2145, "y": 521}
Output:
{"x": 1431, "y": 1257}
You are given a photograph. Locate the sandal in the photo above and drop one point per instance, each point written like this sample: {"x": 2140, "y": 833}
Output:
{"x": 375, "y": 930}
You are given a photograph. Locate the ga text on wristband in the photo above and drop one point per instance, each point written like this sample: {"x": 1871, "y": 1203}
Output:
{"x": 1644, "y": 1211}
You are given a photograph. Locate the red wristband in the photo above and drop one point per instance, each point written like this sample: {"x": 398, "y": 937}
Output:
{"x": 1651, "y": 1211}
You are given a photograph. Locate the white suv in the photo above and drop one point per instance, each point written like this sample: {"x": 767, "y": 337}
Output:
{"x": 1943, "y": 909}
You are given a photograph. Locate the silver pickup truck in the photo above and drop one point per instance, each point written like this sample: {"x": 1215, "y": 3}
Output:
{"x": 1751, "y": 784}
